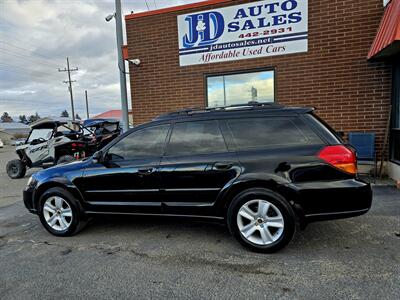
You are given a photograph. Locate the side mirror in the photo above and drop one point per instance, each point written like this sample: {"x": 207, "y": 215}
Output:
{"x": 98, "y": 156}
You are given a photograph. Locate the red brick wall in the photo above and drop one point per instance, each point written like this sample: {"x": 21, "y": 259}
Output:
{"x": 350, "y": 93}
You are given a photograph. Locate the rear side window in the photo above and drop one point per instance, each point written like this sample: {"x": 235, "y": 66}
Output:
{"x": 253, "y": 133}
{"x": 328, "y": 132}
{"x": 196, "y": 138}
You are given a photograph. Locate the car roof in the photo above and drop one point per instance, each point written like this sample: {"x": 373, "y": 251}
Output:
{"x": 95, "y": 122}
{"x": 248, "y": 109}
{"x": 51, "y": 122}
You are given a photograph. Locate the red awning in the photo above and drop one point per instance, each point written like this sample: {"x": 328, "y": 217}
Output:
{"x": 387, "y": 40}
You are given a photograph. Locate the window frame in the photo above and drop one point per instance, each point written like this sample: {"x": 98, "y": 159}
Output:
{"x": 245, "y": 71}
{"x": 395, "y": 113}
{"x": 165, "y": 154}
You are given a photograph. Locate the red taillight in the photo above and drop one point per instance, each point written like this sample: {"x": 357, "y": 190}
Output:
{"x": 340, "y": 157}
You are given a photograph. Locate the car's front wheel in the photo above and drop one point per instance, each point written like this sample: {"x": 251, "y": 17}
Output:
{"x": 60, "y": 213}
{"x": 261, "y": 220}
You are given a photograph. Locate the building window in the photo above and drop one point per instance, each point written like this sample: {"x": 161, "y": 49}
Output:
{"x": 240, "y": 88}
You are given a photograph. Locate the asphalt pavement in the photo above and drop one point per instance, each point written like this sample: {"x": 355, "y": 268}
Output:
{"x": 142, "y": 258}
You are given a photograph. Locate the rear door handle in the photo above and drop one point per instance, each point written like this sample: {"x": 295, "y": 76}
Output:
{"x": 222, "y": 165}
{"x": 145, "y": 171}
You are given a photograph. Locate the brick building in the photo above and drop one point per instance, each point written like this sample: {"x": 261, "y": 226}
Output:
{"x": 325, "y": 64}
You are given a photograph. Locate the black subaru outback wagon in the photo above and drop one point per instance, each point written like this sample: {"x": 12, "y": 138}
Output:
{"x": 264, "y": 169}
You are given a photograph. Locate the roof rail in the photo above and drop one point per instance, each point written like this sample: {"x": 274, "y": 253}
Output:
{"x": 196, "y": 110}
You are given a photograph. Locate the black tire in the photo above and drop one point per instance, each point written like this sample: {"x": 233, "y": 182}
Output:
{"x": 65, "y": 159}
{"x": 16, "y": 169}
{"x": 279, "y": 203}
{"x": 78, "y": 219}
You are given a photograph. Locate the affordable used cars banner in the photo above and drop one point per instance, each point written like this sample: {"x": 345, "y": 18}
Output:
{"x": 262, "y": 28}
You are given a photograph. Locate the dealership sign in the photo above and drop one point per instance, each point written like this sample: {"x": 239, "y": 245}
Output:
{"x": 257, "y": 29}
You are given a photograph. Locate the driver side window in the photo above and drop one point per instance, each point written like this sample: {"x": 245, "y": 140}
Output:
{"x": 147, "y": 142}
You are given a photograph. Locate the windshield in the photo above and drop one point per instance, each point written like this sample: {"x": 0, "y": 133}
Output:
{"x": 42, "y": 133}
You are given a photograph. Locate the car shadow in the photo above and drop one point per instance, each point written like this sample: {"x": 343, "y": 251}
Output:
{"x": 330, "y": 236}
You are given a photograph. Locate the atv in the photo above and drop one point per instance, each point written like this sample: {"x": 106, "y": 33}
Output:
{"x": 101, "y": 132}
{"x": 50, "y": 142}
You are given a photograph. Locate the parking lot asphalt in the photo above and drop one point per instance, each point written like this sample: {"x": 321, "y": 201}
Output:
{"x": 136, "y": 258}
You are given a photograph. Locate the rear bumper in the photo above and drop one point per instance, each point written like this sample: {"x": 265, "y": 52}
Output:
{"x": 327, "y": 200}
{"x": 28, "y": 199}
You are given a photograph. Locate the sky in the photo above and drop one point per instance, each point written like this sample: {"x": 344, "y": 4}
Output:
{"x": 36, "y": 36}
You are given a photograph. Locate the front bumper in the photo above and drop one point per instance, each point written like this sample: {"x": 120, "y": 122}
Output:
{"x": 28, "y": 199}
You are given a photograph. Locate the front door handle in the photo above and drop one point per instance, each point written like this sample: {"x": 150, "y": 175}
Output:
{"x": 222, "y": 165}
{"x": 145, "y": 171}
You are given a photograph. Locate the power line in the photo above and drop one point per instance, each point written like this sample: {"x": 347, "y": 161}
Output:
{"x": 10, "y": 68}
{"x": 24, "y": 53}
{"x": 33, "y": 52}
{"x": 11, "y": 65}
{"x": 148, "y": 8}
{"x": 23, "y": 41}
{"x": 26, "y": 57}
{"x": 69, "y": 81}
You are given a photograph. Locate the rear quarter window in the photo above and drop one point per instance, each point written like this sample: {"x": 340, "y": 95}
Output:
{"x": 253, "y": 133}
{"x": 328, "y": 133}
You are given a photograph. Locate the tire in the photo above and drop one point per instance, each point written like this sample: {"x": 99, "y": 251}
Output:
{"x": 66, "y": 222}
{"x": 16, "y": 169}
{"x": 65, "y": 159}
{"x": 269, "y": 230}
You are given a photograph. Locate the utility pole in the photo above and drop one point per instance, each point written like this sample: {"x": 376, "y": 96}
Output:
{"x": 121, "y": 65}
{"x": 87, "y": 105}
{"x": 69, "y": 81}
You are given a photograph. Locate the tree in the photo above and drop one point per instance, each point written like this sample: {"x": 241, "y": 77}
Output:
{"x": 33, "y": 118}
{"x": 23, "y": 119}
{"x": 77, "y": 117}
{"x": 5, "y": 118}
{"x": 64, "y": 113}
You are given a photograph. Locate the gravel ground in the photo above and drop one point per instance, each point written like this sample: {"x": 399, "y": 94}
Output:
{"x": 140, "y": 258}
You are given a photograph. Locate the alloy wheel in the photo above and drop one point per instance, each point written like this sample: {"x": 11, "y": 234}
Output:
{"x": 260, "y": 222}
{"x": 57, "y": 213}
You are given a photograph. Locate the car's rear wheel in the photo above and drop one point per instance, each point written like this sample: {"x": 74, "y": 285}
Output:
{"x": 261, "y": 220}
{"x": 60, "y": 212}
{"x": 16, "y": 168}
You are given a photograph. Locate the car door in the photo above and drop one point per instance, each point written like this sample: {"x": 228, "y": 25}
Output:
{"x": 195, "y": 167}
{"x": 127, "y": 179}
{"x": 38, "y": 149}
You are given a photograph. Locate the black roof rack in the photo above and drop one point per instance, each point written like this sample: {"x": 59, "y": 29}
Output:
{"x": 197, "y": 110}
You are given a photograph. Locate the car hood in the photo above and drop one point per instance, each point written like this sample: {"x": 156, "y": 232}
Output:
{"x": 72, "y": 169}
